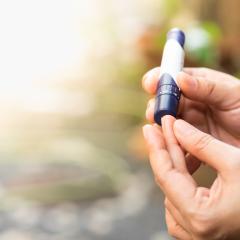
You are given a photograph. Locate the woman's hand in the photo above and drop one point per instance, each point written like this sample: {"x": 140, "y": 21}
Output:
{"x": 210, "y": 101}
{"x": 195, "y": 213}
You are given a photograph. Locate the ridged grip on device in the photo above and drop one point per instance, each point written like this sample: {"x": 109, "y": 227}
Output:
{"x": 167, "y": 98}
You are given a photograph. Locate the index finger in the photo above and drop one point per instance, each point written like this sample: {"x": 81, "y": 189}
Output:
{"x": 178, "y": 186}
{"x": 174, "y": 149}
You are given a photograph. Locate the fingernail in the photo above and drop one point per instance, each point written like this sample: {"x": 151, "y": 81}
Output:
{"x": 183, "y": 128}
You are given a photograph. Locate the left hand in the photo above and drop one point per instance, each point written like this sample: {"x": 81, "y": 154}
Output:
{"x": 210, "y": 101}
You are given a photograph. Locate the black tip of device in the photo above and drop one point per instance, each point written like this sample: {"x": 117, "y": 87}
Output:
{"x": 167, "y": 99}
{"x": 178, "y": 35}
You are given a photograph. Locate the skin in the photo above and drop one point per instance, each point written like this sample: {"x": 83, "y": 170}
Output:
{"x": 211, "y": 106}
{"x": 210, "y": 101}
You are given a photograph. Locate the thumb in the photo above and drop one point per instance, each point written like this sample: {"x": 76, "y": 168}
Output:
{"x": 208, "y": 89}
{"x": 206, "y": 148}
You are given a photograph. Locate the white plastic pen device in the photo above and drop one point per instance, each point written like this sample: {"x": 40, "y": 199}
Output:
{"x": 168, "y": 92}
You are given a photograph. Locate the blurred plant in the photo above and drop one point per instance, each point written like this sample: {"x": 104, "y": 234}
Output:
{"x": 202, "y": 44}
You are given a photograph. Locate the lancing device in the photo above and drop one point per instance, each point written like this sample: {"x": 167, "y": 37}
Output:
{"x": 168, "y": 92}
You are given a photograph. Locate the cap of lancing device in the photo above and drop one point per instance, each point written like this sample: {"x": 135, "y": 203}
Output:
{"x": 168, "y": 93}
{"x": 178, "y": 35}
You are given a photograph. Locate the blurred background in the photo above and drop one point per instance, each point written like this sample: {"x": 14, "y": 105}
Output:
{"x": 73, "y": 163}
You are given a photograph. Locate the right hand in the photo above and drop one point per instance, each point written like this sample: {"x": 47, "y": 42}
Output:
{"x": 210, "y": 101}
{"x": 194, "y": 212}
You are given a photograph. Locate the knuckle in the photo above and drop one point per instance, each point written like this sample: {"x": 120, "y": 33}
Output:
{"x": 202, "y": 142}
{"x": 210, "y": 88}
{"x": 151, "y": 74}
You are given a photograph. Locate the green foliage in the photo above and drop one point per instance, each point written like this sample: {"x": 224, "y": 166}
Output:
{"x": 203, "y": 44}
{"x": 205, "y": 56}
{"x": 213, "y": 30}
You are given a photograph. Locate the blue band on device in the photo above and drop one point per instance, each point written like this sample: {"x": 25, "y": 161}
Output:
{"x": 167, "y": 99}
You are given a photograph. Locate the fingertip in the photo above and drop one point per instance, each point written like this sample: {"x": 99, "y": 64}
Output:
{"x": 149, "y": 133}
{"x": 183, "y": 77}
{"x": 146, "y": 129}
{"x": 150, "y": 110}
{"x": 158, "y": 128}
{"x": 171, "y": 141}
{"x": 150, "y": 79}
{"x": 167, "y": 124}
{"x": 167, "y": 119}
{"x": 180, "y": 126}
{"x": 153, "y": 136}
